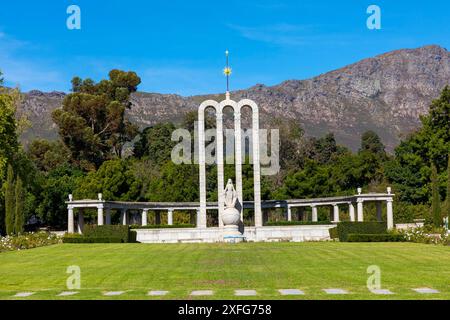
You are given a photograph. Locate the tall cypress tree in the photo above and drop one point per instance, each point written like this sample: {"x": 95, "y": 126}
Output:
{"x": 435, "y": 204}
{"x": 20, "y": 204}
{"x": 9, "y": 201}
{"x": 447, "y": 199}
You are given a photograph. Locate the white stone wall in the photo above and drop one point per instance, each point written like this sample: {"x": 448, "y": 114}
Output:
{"x": 210, "y": 235}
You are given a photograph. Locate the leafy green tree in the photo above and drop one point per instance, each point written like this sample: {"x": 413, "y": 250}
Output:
{"x": 20, "y": 207}
{"x": 155, "y": 143}
{"x": 325, "y": 148}
{"x": 92, "y": 121}
{"x": 8, "y": 135}
{"x": 312, "y": 181}
{"x": 410, "y": 171}
{"x": 48, "y": 155}
{"x": 56, "y": 185}
{"x": 436, "y": 128}
{"x": 114, "y": 179}
{"x": 192, "y": 116}
{"x": 291, "y": 139}
{"x": 435, "y": 204}
{"x": 371, "y": 142}
{"x": 175, "y": 183}
{"x": 9, "y": 201}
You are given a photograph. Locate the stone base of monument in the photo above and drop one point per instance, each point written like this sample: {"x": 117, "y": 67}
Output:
{"x": 231, "y": 234}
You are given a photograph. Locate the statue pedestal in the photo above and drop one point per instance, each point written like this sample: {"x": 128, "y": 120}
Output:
{"x": 231, "y": 233}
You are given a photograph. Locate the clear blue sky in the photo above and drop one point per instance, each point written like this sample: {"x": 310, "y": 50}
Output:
{"x": 178, "y": 46}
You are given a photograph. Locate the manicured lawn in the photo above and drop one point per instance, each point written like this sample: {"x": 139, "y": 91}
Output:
{"x": 264, "y": 267}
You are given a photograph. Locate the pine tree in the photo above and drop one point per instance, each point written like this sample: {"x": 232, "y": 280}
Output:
{"x": 9, "y": 202}
{"x": 20, "y": 203}
{"x": 435, "y": 204}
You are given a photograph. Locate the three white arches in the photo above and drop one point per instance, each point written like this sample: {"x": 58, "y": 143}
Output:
{"x": 219, "y": 107}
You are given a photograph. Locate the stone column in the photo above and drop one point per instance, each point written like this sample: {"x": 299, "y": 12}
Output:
{"x": 256, "y": 164}
{"x": 360, "y": 210}
{"x": 289, "y": 213}
{"x": 123, "y": 217}
{"x": 80, "y": 221}
{"x": 100, "y": 215}
{"x": 157, "y": 217}
{"x": 379, "y": 212}
{"x": 144, "y": 217}
{"x": 219, "y": 161}
{"x": 238, "y": 159}
{"x": 108, "y": 215}
{"x": 314, "y": 213}
{"x": 202, "y": 165}
{"x": 335, "y": 213}
{"x": 70, "y": 222}
{"x": 170, "y": 216}
{"x": 351, "y": 211}
{"x": 389, "y": 214}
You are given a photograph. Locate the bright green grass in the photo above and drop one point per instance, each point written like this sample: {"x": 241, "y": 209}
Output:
{"x": 265, "y": 267}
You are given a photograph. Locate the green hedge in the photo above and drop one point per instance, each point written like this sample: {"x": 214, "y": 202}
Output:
{"x": 103, "y": 234}
{"x": 333, "y": 233}
{"x": 82, "y": 239}
{"x": 162, "y": 226}
{"x": 375, "y": 237}
{"x": 346, "y": 228}
{"x": 296, "y": 223}
{"x": 108, "y": 231}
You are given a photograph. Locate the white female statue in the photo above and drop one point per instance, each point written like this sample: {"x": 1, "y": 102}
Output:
{"x": 230, "y": 195}
{"x": 231, "y": 215}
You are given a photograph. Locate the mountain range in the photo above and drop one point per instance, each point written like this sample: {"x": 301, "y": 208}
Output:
{"x": 386, "y": 94}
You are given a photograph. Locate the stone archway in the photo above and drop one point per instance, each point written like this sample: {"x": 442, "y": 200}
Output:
{"x": 236, "y": 106}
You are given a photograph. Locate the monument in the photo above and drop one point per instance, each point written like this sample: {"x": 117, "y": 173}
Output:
{"x": 237, "y": 107}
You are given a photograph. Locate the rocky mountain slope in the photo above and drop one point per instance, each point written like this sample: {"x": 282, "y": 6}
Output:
{"x": 386, "y": 94}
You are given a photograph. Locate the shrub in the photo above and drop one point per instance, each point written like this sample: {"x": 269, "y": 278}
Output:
{"x": 333, "y": 233}
{"x": 132, "y": 235}
{"x": 83, "y": 239}
{"x": 427, "y": 234}
{"x": 346, "y": 228}
{"x": 296, "y": 223}
{"x": 28, "y": 241}
{"x": 107, "y": 231}
{"x": 352, "y": 237}
{"x": 162, "y": 226}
